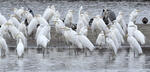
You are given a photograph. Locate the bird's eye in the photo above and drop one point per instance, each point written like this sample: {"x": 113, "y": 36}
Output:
{"x": 103, "y": 10}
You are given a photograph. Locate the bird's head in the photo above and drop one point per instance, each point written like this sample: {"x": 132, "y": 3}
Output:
{"x": 53, "y": 7}
{"x": 120, "y": 13}
{"x": 15, "y": 9}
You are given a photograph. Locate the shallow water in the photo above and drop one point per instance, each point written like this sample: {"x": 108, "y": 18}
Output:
{"x": 60, "y": 60}
{"x": 66, "y": 61}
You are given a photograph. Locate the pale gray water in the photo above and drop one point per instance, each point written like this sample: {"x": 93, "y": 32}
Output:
{"x": 58, "y": 60}
{"x": 61, "y": 61}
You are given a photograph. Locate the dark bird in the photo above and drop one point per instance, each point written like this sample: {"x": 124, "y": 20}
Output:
{"x": 108, "y": 14}
{"x": 145, "y": 20}
{"x": 90, "y": 22}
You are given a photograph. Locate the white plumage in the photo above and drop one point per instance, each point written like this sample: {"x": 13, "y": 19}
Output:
{"x": 134, "y": 44}
{"x": 139, "y": 36}
{"x": 42, "y": 41}
{"x": 133, "y": 15}
{"x": 100, "y": 39}
{"x": 86, "y": 42}
{"x": 32, "y": 25}
{"x": 3, "y": 20}
{"x": 48, "y": 13}
{"x": 69, "y": 17}
{"x": 20, "y": 48}
{"x": 3, "y": 45}
{"x": 110, "y": 43}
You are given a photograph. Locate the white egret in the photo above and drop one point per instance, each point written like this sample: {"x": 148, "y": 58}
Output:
{"x": 134, "y": 44}
{"x": 28, "y": 16}
{"x": 32, "y": 25}
{"x": 41, "y": 20}
{"x": 110, "y": 44}
{"x": 119, "y": 27}
{"x": 14, "y": 20}
{"x": 48, "y": 13}
{"x": 23, "y": 28}
{"x": 18, "y": 13}
{"x": 133, "y": 15}
{"x": 71, "y": 36}
{"x": 20, "y": 48}
{"x": 42, "y": 41}
{"x": 3, "y": 46}
{"x": 101, "y": 39}
{"x": 86, "y": 43}
{"x": 69, "y": 17}
{"x": 21, "y": 36}
{"x": 121, "y": 21}
{"x": 98, "y": 23}
{"x": 3, "y": 20}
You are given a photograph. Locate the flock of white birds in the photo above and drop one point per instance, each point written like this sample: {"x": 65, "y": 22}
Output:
{"x": 111, "y": 36}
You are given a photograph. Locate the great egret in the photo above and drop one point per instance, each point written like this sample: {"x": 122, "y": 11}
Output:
{"x": 41, "y": 20}
{"x": 98, "y": 23}
{"x": 71, "y": 36}
{"x": 14, "y": 20}
{"x": 110, "y": 44}
{"x": 3, "y": 20}
{"x": 20, "y": 48}
{"x": 23, "y": 28}
{"x": 101, "y": 39}
{"x": 119, "y": 27}
{"x": 86, "y": 43}
{"x": 32, "y": 25}
{"x": 121, "y": 21}
{"x": 18, "y": 13}
{"x": 21, "y": 36}
{"x": 133, "y": 15}
{"x": 42, "y": 41}
{"x": 133, "y": 31}
{"x": 3, "y": 46}
{"x": 28, "y": 16}
{"x": 69, "y": 17}
{"x": 44, "y": 30}
{"x": 134, "y": 44}
{"x": 48, "y": 13}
